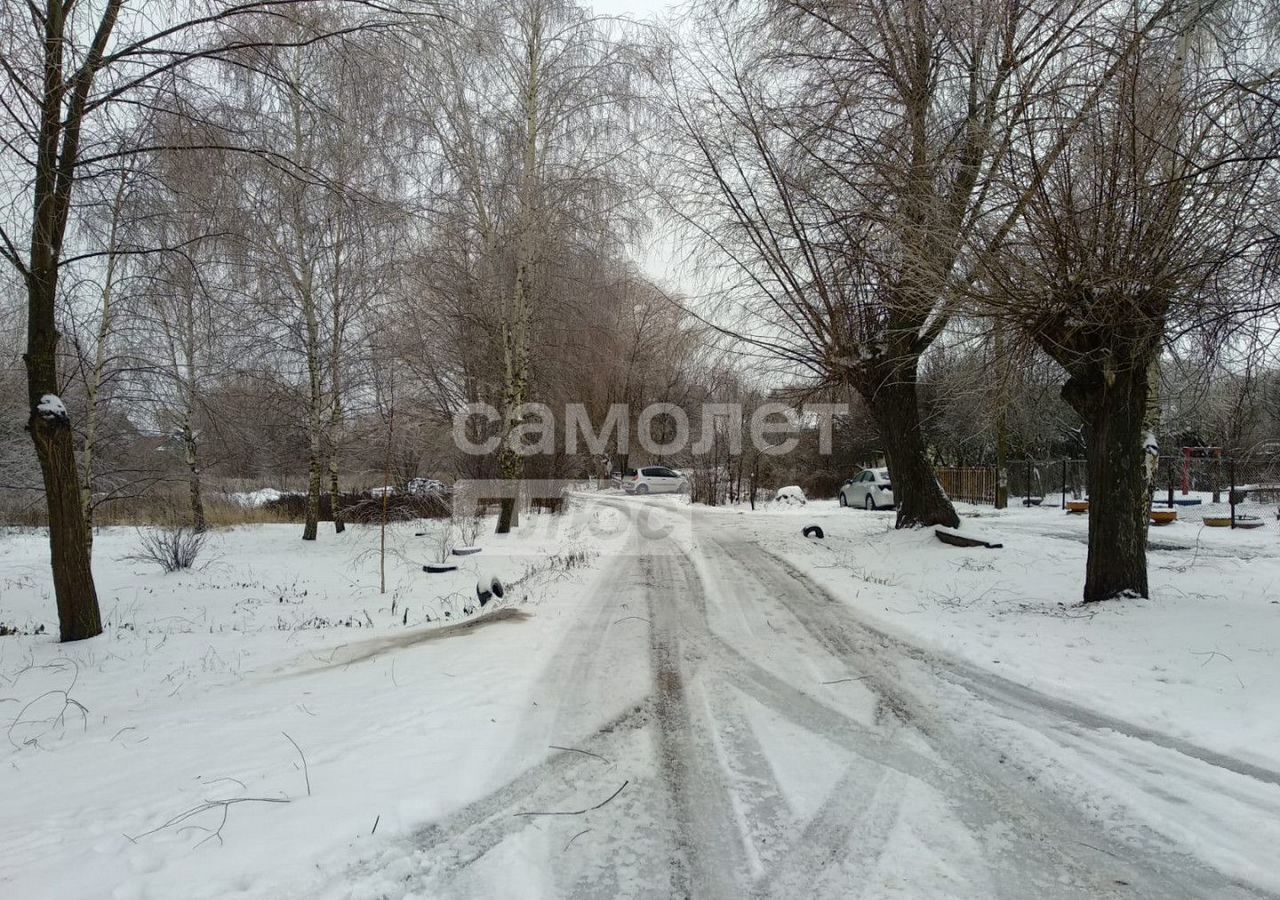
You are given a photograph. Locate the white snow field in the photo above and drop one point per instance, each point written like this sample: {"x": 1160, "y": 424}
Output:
{"x": 668, "y": 701}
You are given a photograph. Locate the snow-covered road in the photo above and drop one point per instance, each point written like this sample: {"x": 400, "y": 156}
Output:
{"x": 722, "y": 727}
{"x": 671, "y": 701}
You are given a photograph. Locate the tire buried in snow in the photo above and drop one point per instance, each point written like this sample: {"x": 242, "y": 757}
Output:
{"x": 489, "y": 587}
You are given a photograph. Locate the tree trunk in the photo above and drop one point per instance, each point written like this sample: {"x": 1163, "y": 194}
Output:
{"x": 335, "y": 494}
{"x": 314, "y": 399}
{"x": 921, "y": 501}
{"x": 311, "y": 528}
{"x": 1118, "y": 484}
{"x": 506, "y": 513}
{"x": 512, "y": 463}
{"x": 69, "y": 551}
{"x": 193, "y": 478}
{"x": 1002, "y": 412}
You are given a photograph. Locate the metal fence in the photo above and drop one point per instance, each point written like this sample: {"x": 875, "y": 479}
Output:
{"x": 1051, "y": 482}
{"x": 970, "y": 484}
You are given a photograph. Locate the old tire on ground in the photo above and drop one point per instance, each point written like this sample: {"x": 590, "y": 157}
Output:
{"x": 813, "y": 531}
{"x": 488, "y": 588}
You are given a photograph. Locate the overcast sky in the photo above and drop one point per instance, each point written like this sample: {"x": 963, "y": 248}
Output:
{"x": 636, "y": 9}
{"x": 656, "y": 254}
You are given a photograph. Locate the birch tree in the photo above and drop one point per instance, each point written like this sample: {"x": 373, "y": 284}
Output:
{"x": 528, "y": 104}
{"x": 317, "y": 243}
{"x": 72, "y": 74}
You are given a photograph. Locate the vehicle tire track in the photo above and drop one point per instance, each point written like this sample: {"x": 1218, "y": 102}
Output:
{"x": 1044, "y": 826}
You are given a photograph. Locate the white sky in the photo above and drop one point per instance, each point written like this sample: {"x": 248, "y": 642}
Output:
{"x": 635, "y": 9}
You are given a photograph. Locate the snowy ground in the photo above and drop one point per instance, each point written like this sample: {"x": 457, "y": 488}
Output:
{"x": 952, "y": 723}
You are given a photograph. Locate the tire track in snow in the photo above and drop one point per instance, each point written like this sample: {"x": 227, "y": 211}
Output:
{"x": 992, "y": 794}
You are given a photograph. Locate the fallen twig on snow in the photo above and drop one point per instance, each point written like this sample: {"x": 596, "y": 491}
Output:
{"x": 1210, "y": 654}
{"x": 205, "y": 807}
{"x": 583, "y": 752}
{"x": 306, "y": 773}
{"x": 578, "y": 812}
{"x": 574, "y": 838}
{"x": 59, "y": 720}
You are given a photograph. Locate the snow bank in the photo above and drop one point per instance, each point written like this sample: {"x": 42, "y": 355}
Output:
{"x": 791, "y": 495}
{"x": 254, "y": 499}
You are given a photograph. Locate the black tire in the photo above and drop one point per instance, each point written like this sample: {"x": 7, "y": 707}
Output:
{"x": 495, "y": 589}
{"x": 642, "y": 489}
{"x": 814, "y": 531}
{"x": 843, "y": 500}
{"x": 869, "y": 504}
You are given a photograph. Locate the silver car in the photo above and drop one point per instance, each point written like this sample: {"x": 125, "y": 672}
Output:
{"x": 870, "y": 490}
{"x": 655, "y": 480}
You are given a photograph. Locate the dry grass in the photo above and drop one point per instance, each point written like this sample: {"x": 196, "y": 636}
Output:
{"x": 154, "y": 508}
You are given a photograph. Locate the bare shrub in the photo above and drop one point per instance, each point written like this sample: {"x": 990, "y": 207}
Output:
{"x": 469, "y": 528}
{"x": 172, "y": 547}
{"x": 444, "y": 540}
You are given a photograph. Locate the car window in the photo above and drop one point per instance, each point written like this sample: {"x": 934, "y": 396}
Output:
{"x": 867, "y": 476}
{"x": 664, "y": 473}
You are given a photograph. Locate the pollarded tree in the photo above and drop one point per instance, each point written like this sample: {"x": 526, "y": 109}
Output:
{"x": 838, "y": 157}
{"x": 1139, "y": 230}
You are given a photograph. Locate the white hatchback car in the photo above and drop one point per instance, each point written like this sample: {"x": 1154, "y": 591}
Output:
{"x": 870, "y": 490}
{"x": 655, "y": 480}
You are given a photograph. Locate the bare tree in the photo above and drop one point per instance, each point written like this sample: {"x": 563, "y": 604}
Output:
{"x": 526, "y": 105}
{"x": 1139, "y": 230}
{"x": 319, "y": 246}
{"x": 72, "y": 73}
{"x": 844, "y": 159}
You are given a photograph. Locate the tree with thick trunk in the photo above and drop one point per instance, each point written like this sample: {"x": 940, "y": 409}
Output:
{"x": 61, "y": 108}
{"x": 1140, "y": 227}
{"x": 894, "y": 402}
{"x": 838, "y": 160}
{"x": 1111, "y": 406}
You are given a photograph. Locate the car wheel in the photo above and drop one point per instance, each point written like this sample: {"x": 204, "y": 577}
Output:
{"x": 642, "y": 489}
{"x": 845, "y": 502}
{"x": 870, "y": 504}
